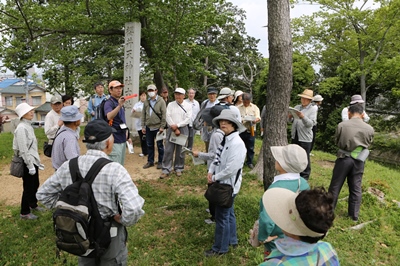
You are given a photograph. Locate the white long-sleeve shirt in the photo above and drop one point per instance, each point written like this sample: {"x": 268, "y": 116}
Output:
{"x": 51, "y": 124}
{"x": 25, "y": 143}
{"x": 345, "y": 115}
{"x": 231, "y": 160}
{"x": 177, "y": 116}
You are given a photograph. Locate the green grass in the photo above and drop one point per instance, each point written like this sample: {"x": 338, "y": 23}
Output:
{"x": 173, "y": 232}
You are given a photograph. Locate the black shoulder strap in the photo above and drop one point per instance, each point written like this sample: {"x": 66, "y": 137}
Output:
{"x": 181, "y": 107}
{"x": 237, "y": 175}
{"x": 204, "y": 104}
{"x": 58, "y": 134}
{"x": 154, "y": 110}
{"x": 74, "y": 170}
{"x": 93, "y": 171}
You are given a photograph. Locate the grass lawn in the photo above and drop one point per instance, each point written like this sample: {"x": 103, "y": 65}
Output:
{"x": 173, "y": 232}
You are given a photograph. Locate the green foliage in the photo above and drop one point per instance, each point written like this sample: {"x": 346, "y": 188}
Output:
{"x": 80, "y": 43}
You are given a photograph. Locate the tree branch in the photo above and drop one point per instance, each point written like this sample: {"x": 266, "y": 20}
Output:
{"x": 23, "y": 16}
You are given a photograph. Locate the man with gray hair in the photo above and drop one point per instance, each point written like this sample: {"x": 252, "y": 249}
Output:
{"x": 112, "y": 186}
{"x": 195, "y": 110}
{"x": 353, "y": 137}
{"x": 250, "y": 116}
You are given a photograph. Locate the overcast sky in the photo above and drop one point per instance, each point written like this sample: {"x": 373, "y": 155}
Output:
{"x": 256, "y": 13}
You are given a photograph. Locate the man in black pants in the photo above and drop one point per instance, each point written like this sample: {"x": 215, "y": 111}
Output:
{"x": 353, "y": 137}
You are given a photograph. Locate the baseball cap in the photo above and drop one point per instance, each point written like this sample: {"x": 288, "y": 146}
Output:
{"x": 97, "y": 130}
{"x": 212, "y": 90}
{"x": 180, "y": 90}
{"x": 56, "y": 99}
{"x": 114, "y": 84}
{"x": 151, "y": 87}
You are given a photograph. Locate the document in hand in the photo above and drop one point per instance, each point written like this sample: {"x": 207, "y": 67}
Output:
{"x": 249, "y": 118}
{"x": 160, "y": 136}
{"x": 179, "y": 140}
{"x": 196, "y": 160}
{"x": 293, "y": 111}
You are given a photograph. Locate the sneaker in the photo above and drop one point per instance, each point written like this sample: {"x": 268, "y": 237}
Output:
{"x": 29, "y": 216}
{"x": 212, "y": 253}
{"x": 38, "y": 209}
{"x": 208, "y": 210}
{"x": 141, "y": 155}
{"x": 209, "y": 221}
{"x": 148, "y": 165}
{"x": 178, "y": 173}
{"x": 311, "y": 154}
{"x": 163, "y": 176}
{"x": 159, "y": 166}
{"x": 251, "y": 166}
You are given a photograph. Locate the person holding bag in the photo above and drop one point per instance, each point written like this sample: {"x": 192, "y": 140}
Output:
{"x": 25, "y": 146}
{"x": 226, "y": 169}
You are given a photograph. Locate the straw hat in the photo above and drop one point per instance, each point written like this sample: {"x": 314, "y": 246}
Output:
{"x": 280, "y": 204}
{"x": 308, "y": 94}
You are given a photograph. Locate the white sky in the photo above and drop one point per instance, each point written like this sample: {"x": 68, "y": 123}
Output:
{"x": 256, "y": 13}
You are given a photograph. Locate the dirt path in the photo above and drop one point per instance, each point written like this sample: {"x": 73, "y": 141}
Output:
{"x": 11, "y": 190}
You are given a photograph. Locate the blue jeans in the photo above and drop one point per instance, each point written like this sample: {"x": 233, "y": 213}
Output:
{"x": 225, "y": 229}
{"x": 150, "y": 137}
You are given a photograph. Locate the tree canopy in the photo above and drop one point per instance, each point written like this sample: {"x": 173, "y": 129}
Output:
{"x": 184, "y": 43}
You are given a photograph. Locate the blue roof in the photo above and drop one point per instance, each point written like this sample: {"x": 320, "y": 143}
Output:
{"x": 8, "y": 82}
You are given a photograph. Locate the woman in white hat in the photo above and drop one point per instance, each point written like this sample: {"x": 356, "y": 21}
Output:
{"x": 305, "y": 219}
{"x": 238, "y": 101}
{"x": 25, "y": 146}
{"x": 227, "y": 169}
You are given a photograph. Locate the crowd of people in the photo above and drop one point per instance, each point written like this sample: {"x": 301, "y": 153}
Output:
{"x": 298, "y": 217}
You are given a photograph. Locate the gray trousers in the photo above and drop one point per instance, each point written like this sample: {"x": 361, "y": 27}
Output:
{"x": 116, "y": 254}
{"x": 118, "y": 153}
{"x": 353, "y": 170}
{"x": 177, "y": 160}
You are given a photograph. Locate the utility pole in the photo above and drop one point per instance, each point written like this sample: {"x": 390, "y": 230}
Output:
{"x": 26, "y": 88}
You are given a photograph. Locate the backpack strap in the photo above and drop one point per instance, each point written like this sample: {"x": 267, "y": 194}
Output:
{"x": 74, "y": 170}
{"x": 91, "y": 174}
{"x": 95, "y": 169}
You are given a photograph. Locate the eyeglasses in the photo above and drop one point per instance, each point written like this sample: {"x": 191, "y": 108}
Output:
{"x": 118, "y": 87}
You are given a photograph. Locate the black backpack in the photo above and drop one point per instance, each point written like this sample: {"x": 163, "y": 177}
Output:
{"x": 99, "y": 110}
{"x": 79, "y": 228}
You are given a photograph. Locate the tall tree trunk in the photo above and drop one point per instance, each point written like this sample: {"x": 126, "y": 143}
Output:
{"x": 279, "y": 82}
{"x": 159, "y": 80}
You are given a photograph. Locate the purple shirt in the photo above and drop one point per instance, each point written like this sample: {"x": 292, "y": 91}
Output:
{"x": 120, "y": 135}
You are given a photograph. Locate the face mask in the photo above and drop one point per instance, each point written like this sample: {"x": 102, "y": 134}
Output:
{"x": 151, "y": 94}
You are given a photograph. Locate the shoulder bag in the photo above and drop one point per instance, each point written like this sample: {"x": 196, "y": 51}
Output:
{"x": 221, "y": 194}
{"x": 17, "y": 165}
{"x": 48, "y": 147}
